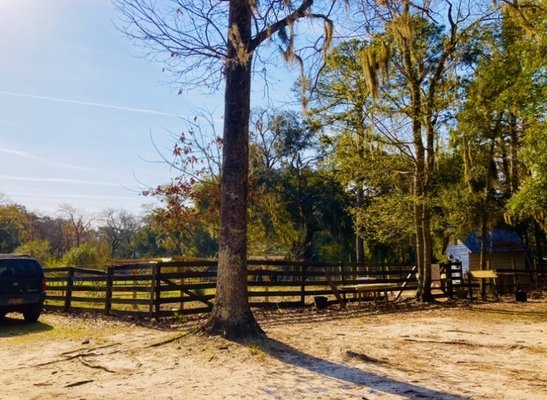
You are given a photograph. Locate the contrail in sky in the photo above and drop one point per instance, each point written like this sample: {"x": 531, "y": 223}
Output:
{"x": 58, "y": 180}
{"x": 88, "y": 103}
{"x": 45, "y": 160}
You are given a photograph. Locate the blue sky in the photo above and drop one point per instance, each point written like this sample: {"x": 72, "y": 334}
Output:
{"x": 78, "y": 104}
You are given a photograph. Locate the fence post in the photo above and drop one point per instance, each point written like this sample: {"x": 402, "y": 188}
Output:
{"x": 157, "y": 290}
{"x": 181, "y": 307}
{"x": 108, "y": 293}
{"x": 534, "y": 272}
{"x": 303, "y": 284}
{"x": 469, "y": 279}
{"x": 69, "y": 285}
{"x": 152, "y": 291}
{"x": 449, "y": 282}
{"x": 515, "y": 278}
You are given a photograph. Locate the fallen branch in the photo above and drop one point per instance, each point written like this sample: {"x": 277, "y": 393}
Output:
{"x": 364, "y": 357}
{"x": 167, "y": 341}
{"x": 88, "y": 349}
{"x": 79, "y": 383}
{"x": 88, "y": 364}
{"x": 67, "y": 358}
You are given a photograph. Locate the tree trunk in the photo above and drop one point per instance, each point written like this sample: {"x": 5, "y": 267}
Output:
{"x": 308, "y": 248}
{"x": 359, "y": 242}
{"x": 484, "y": 238}
{"x": 429, "y": 166}
{"x": 422, "y": 247}
{"x": 485, "y": 215}
{"x": 418, "y": 215}
{"x": 539, "y": 237}
{"x": 231, "y": 316}
{"x": 514, "y": 147}
{"x": 427, "y": 257}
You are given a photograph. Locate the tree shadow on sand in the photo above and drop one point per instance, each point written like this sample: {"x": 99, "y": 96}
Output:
{"x": 352, "y": 375}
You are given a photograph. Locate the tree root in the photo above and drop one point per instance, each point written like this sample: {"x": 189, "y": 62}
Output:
{"x": 167, "y": 341}
{"x": 67, "y": 358}
{"x": 88, "y": 364}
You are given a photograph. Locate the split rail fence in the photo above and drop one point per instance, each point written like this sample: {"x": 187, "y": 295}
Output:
{"x": 163, "y": 289}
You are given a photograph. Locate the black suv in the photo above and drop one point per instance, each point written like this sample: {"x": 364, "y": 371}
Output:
{"x": 22, "y": 286}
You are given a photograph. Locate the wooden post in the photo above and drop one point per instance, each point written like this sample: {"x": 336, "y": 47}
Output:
{"x": 341, "y": 300}
{"x": 265, "y": 280}
{"x": 157, "y": 295}
{"x": 181, "y": 294}
{"x": 515, "y": 280}
{"x": 108, "y": 293}
{"x": 134, "y": 285}
{"x": 535, "y": 280}
{"x": 303, "y": 284}
{"x": 470, "y": 285}
{"x": 152, "y": 290}
{"x": 483, "y": 282}
{"x": 69, "y": 285}
{"x": 448, "y": 278}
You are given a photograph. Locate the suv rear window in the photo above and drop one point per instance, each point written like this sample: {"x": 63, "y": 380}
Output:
{"x": 21, "y": 267}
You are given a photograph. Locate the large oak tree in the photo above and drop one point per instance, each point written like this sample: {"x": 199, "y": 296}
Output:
{"x": 203, "y": 43}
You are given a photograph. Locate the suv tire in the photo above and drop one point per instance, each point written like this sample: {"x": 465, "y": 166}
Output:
{"x": 33, "y": 313}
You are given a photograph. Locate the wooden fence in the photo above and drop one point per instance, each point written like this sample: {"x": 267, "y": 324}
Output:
{"x": 163, "y": 289}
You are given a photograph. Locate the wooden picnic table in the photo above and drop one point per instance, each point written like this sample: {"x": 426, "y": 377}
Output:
{"x": 483, "y": 276}
{"x": 363, "y": 291}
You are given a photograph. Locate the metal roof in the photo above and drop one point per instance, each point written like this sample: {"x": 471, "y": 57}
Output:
{"x": 497, "y": 241}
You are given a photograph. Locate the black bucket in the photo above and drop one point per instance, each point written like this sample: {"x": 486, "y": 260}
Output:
{"x": 321, "y": 302}
{"x": 520, "y": 295}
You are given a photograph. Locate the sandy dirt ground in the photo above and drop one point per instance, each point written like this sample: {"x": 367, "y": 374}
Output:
{"x": 494, "y": 350}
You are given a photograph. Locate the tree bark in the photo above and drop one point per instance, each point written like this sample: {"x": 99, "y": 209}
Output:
{"x": 231, "y": 316}
{"x": 484, "y": 238}
{"x": 514, "y": 146}
{"x": 359, "y": 242}
{"x": 422, "y": 247}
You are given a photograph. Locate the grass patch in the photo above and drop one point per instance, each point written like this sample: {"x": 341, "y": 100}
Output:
{"x": 51, "y": 327}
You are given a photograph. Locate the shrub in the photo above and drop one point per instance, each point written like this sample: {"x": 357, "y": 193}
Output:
{"x": 82, "y": 256}
{"x": 38, "y": 249}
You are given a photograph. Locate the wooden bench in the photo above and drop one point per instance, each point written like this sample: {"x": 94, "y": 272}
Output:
{"x": 367, "y": 291}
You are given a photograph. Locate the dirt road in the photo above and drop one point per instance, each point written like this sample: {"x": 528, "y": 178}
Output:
{"x": 405, "y": 351}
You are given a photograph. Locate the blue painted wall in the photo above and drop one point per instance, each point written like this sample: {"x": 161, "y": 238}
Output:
{"x": 459, "y": 252}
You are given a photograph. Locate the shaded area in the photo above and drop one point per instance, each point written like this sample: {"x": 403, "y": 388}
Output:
{"x": 353, "y": 375}
{"x": 12, "y": 326}
{"x": 308, "y": 314}
{"x": 304, "y": 315}
{"x": 534, "y": 314}
{"x": 287, "y": 316}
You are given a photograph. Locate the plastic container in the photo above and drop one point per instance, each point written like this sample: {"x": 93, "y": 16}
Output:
{"x": 521, "y": 295}
{"x": 321, "y": 302}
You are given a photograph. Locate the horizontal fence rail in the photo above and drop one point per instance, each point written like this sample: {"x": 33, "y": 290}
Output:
{"x": 167, "y": 289}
